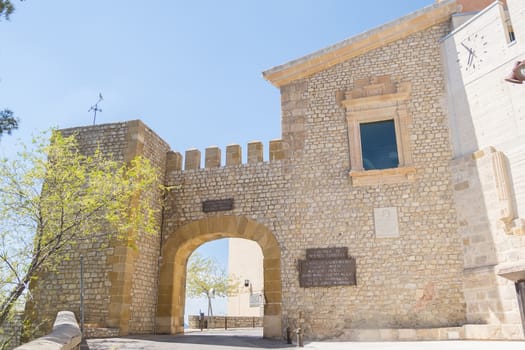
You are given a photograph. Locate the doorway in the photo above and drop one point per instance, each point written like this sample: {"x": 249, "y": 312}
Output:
{"x": 179, "y": 246}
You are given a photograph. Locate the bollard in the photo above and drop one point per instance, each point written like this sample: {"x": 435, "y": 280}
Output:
{"x": 299, "y": 332}
{"x": 288, "y": 335}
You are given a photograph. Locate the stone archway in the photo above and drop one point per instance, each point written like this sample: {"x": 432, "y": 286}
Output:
{"x": 179, "y": 246}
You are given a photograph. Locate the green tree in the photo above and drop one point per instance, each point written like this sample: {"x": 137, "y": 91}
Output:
{"x": 54, "y": 198}
{"x": 205, "y": 277}
{"x": 6, "y": 8}
{"x": 8, "y": 122}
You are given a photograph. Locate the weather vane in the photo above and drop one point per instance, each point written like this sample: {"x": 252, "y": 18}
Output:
{"x": 95, "y": 108}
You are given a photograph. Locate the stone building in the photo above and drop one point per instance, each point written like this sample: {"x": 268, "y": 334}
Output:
{"x": 245, "y": 266}
{"x": 390, "y": 208}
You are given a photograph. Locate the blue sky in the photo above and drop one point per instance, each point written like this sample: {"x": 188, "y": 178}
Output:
{"x": 191, "y": 70}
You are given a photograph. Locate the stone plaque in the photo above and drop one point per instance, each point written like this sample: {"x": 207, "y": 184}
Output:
{"x": 385, "y": 222}
{"x": 217, "y": 205}
{"x": 326, "y": 267}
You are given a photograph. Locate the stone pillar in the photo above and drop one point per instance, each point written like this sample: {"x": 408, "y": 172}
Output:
{"x": 255, "y": 152}
{"x": 233, "y": 155}
{"x": 212, "y": 157}
{"x": 193, "y": 159}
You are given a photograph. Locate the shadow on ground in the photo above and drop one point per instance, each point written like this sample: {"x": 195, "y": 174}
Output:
{"x": 249, "y": 339}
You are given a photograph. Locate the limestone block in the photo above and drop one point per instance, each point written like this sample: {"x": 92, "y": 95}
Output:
{"x": 233, "y": 155}
{"x": 276, "y": 150}
{"x": 212, "y": 157}
{"x": 173, "y": 161}
{"x": 193, "y": 159}
{"x": 255, "y": 152}
{"x": 272, "y": 327}
{"x": 407, "y": 334}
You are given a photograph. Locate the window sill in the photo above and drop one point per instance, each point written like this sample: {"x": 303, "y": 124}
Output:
{"x": 383, "y": 176}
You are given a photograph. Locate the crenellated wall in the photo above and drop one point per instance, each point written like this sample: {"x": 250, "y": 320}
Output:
{"x": 213, "y": 156}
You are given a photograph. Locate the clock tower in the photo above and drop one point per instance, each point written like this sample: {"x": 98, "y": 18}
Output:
{"x": 487, "y": 128}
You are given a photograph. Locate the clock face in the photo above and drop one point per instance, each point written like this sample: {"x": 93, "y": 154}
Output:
{"x": 471, "y": 52}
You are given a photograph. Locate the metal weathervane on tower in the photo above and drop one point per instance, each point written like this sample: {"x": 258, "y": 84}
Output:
{"x": 95, "y": 108}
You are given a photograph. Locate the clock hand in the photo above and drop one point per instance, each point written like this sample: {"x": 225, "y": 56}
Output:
{"x": 466, "y": 47}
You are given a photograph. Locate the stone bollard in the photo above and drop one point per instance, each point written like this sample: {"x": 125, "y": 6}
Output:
{"x": 299, "y": 332}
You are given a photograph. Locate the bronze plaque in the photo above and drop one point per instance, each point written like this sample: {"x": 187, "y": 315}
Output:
{"x": 326, "y": 267}
{"x": 217, "y": 205}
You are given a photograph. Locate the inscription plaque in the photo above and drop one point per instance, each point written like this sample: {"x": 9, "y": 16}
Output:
{"x": 385, "y": 222}
{"x": 325, "y": 267}
{"x": 217, "y": 205}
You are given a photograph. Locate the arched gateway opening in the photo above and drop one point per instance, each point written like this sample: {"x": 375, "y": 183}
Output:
{"x": 179, "y": 246}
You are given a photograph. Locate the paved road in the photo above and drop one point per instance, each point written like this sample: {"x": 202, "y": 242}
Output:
{"x": 252, "y": 339}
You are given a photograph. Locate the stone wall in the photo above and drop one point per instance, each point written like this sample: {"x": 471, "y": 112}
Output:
{"x": 401, "y": 282}
{"x": 225, "y": 322}
{"x": 60, "y": 289}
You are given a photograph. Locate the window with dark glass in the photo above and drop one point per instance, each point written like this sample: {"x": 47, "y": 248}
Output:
{"x": 378, "y": 145}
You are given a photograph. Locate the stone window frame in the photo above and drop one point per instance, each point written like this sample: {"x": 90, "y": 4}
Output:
{"x": 379, "y": 101}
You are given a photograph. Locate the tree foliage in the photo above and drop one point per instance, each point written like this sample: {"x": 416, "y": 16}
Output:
{"x": 205, "y": 278}
{"x": 54, "y": 198}
{"x": 8, "y": 122}
{"x": 6, "y": 8}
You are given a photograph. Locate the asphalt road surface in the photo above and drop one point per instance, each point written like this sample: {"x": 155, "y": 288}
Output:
{"x": 240, "y": 339}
